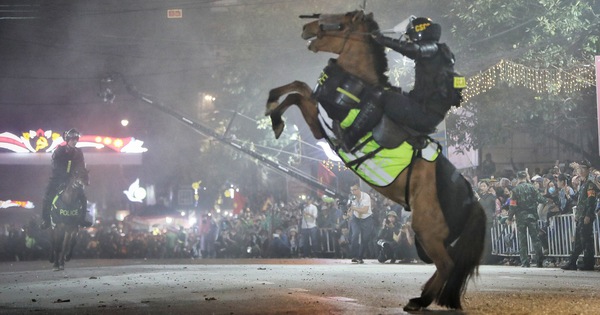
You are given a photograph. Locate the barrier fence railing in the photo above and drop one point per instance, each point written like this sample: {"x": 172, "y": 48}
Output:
{"x": 557, "y": 236}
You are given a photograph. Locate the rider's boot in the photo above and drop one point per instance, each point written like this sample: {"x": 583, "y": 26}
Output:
{"x": 368, "y": 117}
{"x": 46, "y": 221}
{"x": 82, "y": 221}
{"x": 46, "y": 204}
{"x": 45, "y": 224}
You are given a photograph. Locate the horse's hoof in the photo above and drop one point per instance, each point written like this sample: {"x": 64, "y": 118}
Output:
{"x": 278, "y": 129}
{"x": 270, "y": 107}
{"x": 61, "y": 267}
{"x": 414, "y": 305}
{"x": 56, "y": 268}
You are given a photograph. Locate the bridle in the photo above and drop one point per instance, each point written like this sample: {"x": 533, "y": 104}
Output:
{"x": 79, "y": 180}
{"x": 329, "y": 27}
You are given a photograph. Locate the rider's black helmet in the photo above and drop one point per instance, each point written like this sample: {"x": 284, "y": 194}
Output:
{"x": 71, "y": 134}
{"x": 423, "y": 28}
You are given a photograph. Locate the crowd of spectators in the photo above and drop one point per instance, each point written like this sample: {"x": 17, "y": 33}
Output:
{"x": 559, "y": 186}
{"x": 273, "y": 232}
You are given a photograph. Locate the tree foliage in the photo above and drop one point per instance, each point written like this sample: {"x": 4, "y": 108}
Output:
{"x": 558, "y": 35}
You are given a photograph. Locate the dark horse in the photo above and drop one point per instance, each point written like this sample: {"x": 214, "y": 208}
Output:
{"x": 65, "y": 213}
{"x": 448, "y": 221}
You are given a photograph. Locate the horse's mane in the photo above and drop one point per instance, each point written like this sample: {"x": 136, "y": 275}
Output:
{"x": 380, "y": 59}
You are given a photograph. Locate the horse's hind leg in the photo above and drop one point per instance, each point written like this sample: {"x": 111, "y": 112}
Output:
{"x": 56, "y": 248}
{"x": 65, "y": 244}
{"x": 72, "y": 243}
{"x": 431, "y": 229}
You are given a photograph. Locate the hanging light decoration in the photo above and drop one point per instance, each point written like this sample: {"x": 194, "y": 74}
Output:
{"x": 542, "y": 81}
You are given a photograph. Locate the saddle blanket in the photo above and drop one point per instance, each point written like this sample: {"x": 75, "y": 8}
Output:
{"x": 383, "y": 168}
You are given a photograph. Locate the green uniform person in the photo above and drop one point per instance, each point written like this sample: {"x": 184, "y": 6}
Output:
{"x": 523, "y": 205}
{"x": 584, "y": 218}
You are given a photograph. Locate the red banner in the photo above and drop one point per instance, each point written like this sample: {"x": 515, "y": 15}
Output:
{"x": 325, "y": 176}
{"x": 239, "y": 202}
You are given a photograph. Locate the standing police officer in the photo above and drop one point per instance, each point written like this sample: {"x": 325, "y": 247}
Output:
{"x": 584, "y": 218}
{"x": 523, "y": 204}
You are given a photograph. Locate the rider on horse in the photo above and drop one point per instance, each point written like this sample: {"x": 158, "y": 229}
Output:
{"x": 435, "y": 89}
{"x": 66, "y": 160}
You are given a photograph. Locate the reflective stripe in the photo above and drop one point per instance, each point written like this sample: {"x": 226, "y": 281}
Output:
{"x": 69, "y": 166}
{"x": 350, "y": 95}
{"x": 385, "y": 167}
{"x": 326, "y": 122}
{"x": 54, "y": 200}
{"x": 349, "y": 118}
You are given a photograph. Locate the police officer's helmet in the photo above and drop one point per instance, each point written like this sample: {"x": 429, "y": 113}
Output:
{"x": 71, "y": 134}
{"x": 423, "y": 29}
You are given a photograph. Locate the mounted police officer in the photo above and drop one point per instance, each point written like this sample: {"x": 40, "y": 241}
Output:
{"x": 524, "y": 200}
{"x": 435, "y": 89}
{"x": 584, "y": 218}
{"x": 66, "y": 159}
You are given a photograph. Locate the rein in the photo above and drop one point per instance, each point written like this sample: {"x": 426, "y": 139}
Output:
{"x": 326, "y": 28}
{"x": 408, "y": 175}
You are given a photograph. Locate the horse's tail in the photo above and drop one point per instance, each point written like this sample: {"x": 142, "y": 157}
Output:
{"x": 466, "y": 254}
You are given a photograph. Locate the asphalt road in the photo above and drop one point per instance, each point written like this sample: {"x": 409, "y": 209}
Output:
{"x": 270, "y": 286}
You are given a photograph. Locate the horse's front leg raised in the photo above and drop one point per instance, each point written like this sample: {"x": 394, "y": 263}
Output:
{"x": 300, "y": 96}
{"x": 56, "y": 238}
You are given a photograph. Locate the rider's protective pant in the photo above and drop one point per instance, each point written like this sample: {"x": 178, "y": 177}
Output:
{"x": 405, "y": 111}
{"x": 400, "y": 108}
{"x": 51, "y": 191}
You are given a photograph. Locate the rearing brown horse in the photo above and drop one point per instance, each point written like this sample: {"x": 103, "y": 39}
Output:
{"x": 449, "y": 223}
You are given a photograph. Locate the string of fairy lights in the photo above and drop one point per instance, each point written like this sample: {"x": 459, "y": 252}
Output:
{"x": 542, "y": 81}
{"x": 334, "y": 165}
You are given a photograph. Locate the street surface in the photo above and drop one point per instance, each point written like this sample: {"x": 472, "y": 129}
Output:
{"x": 274, "y": 286}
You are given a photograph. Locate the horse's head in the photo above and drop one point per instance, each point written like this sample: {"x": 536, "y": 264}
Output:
{"x": 80, "y": 178}
{"x": 350, "y": 36}
{"x": 331, "y": 32}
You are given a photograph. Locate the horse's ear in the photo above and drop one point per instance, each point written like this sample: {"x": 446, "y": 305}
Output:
{"x": 359, "y": 16}
{"x": 369, "y": 16}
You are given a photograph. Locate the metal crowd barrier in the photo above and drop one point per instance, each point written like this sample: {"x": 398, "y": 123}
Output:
{"x": 328, "y": 240}
{"x": 504, "y": 239}
{"x": 559, "y": 230}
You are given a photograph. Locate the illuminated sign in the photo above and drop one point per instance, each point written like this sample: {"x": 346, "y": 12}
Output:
{"x": 174, "y": 13}
{"x": 16, "y": 203}
{"x": 135, "y": 193}
{"x": 48, "y": 141}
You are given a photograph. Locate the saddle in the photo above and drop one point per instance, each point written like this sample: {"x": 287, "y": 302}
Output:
{"x": 389, "y": 135}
